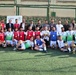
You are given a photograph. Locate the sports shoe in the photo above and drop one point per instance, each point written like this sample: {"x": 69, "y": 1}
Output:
{"x": 14, "y": 49}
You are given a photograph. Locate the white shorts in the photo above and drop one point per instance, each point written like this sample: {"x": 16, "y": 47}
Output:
{"x": 52, "y": 43}
{"x": 15, "y": 42}
{"x": 9, "y": 41}
{"x": 41, "y": 46}
{"x": 23, "y": 46}
{"x": 69, "y": 43}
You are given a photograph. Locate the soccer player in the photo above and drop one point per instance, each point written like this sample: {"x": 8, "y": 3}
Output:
{"x": 70, "y": 37}
{"x": 53, "y": 38}
{"x": 9, "y": 37}
{"x": 22, "y": 45}
{"x": 29, "y": 33}
{"x": 2, "y": 38}
{"x": 74, "y": 43}
{"x": 37, "y": 32}
{"x": 63, "y": 34}
{"x": 40, "y": 44}
{"x": 45, "y": 35}
{"x": 16, "y": 25}
{"x": 21, "y": 34}
{"x": 15, "y": 37}
{"x": 61, "y": 45}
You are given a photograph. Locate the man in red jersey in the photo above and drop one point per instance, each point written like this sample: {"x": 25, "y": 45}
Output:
{"x": 16, "y": 25}
{"x": 15, "y": 38}
{"x": 21, "y": 34}
{"x": 2, "y": 38}
{"x": 37, "y": 32}
{"x": 16, "y": 34}
{"x": 29, "y": 33}
{"x": 2, "y": 25}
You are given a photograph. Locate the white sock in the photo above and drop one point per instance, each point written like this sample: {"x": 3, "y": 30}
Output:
{"x": 40, "y": 49}
{"x": 45, "y": 48}
{"x": 69, "y": 49}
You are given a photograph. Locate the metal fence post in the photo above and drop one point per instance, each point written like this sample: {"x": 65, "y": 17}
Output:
{"x": 48, "y": 11}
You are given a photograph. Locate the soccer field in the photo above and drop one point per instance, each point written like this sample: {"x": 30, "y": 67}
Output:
{"x": 36, "y": 63}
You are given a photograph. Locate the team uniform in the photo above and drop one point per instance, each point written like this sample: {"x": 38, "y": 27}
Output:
{"x": 70, "y": 35}
{"x": 22, "y": 35}
{"x": 37, "y": 33}
{"x": 29, "y": 34}
{"x": 63, "y": 35}
{"x": 62, "y": 46}
{"x": 15, "y": 37}
{"x": 39, "y": 43}
{"x": 45, "y": 35}
{"x": 60, "y": 43}
{"x": 9, "y": 36}
{"x": 2, "y": 37}
{"x": 26, "y": 44}
{"x": 53, "y": 38}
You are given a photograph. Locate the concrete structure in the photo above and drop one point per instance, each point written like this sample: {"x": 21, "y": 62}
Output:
{"x": 38, "y": 11}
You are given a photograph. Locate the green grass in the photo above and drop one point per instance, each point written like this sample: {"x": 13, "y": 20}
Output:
{"x": 36, "y": 63}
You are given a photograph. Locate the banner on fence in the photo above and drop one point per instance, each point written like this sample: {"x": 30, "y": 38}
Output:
{"x": 13, "y": 19}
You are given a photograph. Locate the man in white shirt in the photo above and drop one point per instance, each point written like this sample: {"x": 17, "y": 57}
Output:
{"x": 45, "y": 35}
{"x": 58, "y": 27}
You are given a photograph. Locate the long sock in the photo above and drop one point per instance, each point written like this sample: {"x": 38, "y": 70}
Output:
{"x": 45, "y": 48}
{"x": 69, "y": 49}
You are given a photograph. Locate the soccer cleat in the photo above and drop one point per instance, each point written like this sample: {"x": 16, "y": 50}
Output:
{"x": 14, "y": 49}
{"x": 45, "y": 51}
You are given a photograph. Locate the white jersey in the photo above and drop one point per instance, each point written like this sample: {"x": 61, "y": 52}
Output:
{"x": 31, "y": 43}
{"x": 69, "y": 32}
{"x": 45, "y": 32}
{"x": 70, "y": 35}
{"x": 9, "y": 35}
{"x": 58, "y": 28}
{"x": 63, "y": 34}
{"x": 60, "y": 43}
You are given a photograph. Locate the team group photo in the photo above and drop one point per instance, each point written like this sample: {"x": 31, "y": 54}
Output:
{"x": 37, "y": 37}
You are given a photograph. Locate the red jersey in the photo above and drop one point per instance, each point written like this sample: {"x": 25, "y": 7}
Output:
{"x": 21, "y": 36}
{"x": 2, "y": 37}
{"x": 16, "y": 25}
{"x": 2, "y": 26}
{"x": 37, "y": 33}
{"x": 16, "y": 35}
{"x": 30, "y": 34}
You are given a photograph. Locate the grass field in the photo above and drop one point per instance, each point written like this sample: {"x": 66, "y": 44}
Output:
{"x": 36, "y": 63}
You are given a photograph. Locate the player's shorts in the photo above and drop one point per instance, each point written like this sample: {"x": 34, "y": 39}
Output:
{"x": 9, "y": 41}
{"x": 52, "y": 43}
{"x": 15, "y": 42}
{"x": 41, "y": 46}
{"x": 22, "y": 46}
{"x": 69, "y": 43}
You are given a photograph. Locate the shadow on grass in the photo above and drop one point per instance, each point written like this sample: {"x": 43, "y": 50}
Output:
{"x": 51, "y": 52}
